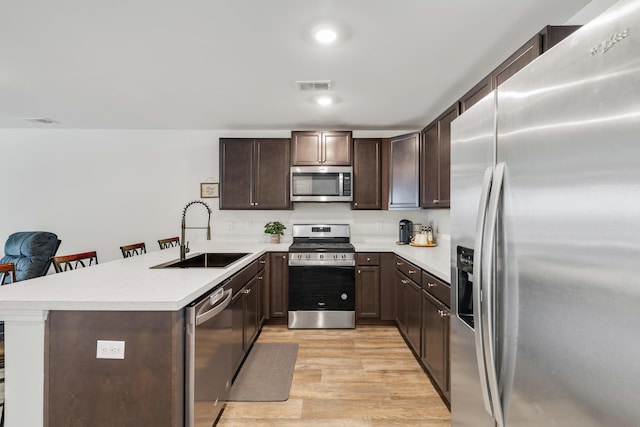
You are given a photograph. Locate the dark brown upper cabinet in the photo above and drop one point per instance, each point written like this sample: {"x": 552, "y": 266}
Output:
{"x": 315, "y": 148}
{"x": 367, "y": 171}
{"x": 254, "y": 173}
{"x": 404, "y": 171}
{"x": 435, "y": 161}
{"x": 548, "y": 37}
{"x": 479, "y": 91}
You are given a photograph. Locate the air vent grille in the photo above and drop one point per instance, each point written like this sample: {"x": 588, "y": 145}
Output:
{"x": 313, "y": 85}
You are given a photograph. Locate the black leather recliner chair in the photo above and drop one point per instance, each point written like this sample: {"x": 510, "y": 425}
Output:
{"x": 31, "y": 252}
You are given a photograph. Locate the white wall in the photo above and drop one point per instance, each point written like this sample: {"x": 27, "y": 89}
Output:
{"x": 100, "y": 189}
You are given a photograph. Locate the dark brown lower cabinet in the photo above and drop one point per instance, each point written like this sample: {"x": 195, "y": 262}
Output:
{"x": 278, "y": 285}
{"x": 401, "y": 301}
{"x": 368, "y": 292}
{"x": 414, "y": 315}
{"x": 435, "y": 340}
{"x": 146, "y": 388}
{"x": 367, "y": 285}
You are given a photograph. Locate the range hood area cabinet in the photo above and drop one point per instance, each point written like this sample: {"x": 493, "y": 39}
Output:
{"x": 254, "y": 173}
{"x": 435, "y": 160}
{"x": 321, "y": 148}
{"x": 404, "y": 172}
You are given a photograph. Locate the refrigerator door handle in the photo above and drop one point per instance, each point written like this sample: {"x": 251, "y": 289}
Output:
{"x": 478, "y": 330}
{"x": 489, "y": 289}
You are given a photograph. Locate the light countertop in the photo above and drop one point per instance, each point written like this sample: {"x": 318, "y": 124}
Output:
{"x": 130, "y": 284}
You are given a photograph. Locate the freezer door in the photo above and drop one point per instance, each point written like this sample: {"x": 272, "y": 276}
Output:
{"x": 569, "y": 239}
{"x": 472, "y": 152}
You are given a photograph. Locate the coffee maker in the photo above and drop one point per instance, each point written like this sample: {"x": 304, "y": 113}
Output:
{"x": 404, "y": 232}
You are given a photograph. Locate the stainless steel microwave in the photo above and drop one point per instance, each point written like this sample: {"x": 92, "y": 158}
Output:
{"x": 321, "y": 184}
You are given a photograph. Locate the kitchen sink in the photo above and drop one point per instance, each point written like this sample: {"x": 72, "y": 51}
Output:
{"x": 205, "y": 260}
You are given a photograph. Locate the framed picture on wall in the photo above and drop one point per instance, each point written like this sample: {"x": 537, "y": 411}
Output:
{"x": 209, "y": 190}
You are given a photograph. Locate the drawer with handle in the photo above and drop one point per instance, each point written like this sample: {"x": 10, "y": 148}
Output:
{"x": 367, "y": 258}
{"x": 436, "y": 287}
{"x": 408, "y": 269}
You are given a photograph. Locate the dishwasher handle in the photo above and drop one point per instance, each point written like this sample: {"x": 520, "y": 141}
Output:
{"x": 212, "y": 308}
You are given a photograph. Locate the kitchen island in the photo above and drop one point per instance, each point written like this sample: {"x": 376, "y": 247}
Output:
{"x": 127, "y": 286}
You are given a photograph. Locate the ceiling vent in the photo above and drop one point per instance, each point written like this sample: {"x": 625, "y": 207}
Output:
{"x": 42, "y": 120}
{"x": 313, "y": 85}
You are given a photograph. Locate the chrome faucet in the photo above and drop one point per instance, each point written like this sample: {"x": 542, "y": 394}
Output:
{"x": 184, "y": 248}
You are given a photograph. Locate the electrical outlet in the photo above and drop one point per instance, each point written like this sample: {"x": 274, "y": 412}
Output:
{"x": 110, "y": 349}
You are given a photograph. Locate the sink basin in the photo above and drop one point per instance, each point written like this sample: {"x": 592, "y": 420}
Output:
{"x": 205, "y": 260}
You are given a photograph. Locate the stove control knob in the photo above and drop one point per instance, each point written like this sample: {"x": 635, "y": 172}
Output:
{"x": 344, "y": 256}
{"x": 308, "y": 256}
{"x": 321, "y": 256}
{"x": 344, "y": 297}
{"x": 335, "y": 256}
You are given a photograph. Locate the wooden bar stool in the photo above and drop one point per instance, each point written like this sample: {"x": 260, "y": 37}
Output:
{"x": 135, "y": 249}
{"x": 75, "y": 261}
{"x": 7, "y": 273}
{"x": 169, "y": 243}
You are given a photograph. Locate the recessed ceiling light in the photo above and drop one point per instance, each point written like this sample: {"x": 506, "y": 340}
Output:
{"x": 325, "y": 34}
{"x": 324, "y": 100}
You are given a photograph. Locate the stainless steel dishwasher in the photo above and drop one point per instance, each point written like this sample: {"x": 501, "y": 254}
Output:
{"x": 209, "y": 366}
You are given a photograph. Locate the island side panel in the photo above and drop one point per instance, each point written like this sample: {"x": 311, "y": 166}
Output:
{"x": 146, "y": 388}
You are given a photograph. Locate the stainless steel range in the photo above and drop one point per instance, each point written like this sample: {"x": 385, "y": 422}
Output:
{"x": 321, "y": 277}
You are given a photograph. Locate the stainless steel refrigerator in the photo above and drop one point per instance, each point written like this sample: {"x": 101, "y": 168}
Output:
{"x": 545, "y": 220}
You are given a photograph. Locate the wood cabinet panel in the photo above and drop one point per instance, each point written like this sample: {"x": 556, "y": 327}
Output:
{"x": 368, "y": 292}
{"x": 401, "y": 301}
{"x": 404, "y": 171}
{"x": 279, "y": 284}
{"x": 146, "y": 388}
{"x": 313, "y": 148}
{"x": 387, "y": 286}
{"x": 435, "y": 341}
{"x": 337, "y": 148}
{"x": 435, "y": 161}
{"x": 236, "y": 173}
{"x": 436, "y": 287}
{"x": 367, "y": 258}
{"x": 254, "y": 173}
{"x": 476, "y": 93}
{"x": 518, "y": 60}
{"x": 414, "y": 315}
{"x": 367, "y": 171}
{"x": 271, "y": 171}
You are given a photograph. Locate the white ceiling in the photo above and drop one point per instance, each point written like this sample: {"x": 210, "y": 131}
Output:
{"x": 232, "y": 64}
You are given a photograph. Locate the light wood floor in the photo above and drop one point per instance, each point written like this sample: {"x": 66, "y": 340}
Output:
{"x": 354, "y": 377}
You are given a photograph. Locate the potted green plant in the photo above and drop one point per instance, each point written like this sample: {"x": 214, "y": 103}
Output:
{"x": 276, "y": 229}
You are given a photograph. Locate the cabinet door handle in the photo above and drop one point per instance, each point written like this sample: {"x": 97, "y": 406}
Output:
{"x": 412, "y": 272}
{"x": 399, "y": 264}
{"x": 259, "y": 277}
{"x": 284, "y": 257}
{"x": 436, "y": 201}
{"x": 359, "y": 271}
{"x": 247, "y": 291}
{"x": 444, "y": 313}
{"x": 431, "y": 285}
{"x": 406, "y": 282}
{"x": 355, "y": 205}
{"x": 263, "y": 262}
{"x": 368, "y": 259}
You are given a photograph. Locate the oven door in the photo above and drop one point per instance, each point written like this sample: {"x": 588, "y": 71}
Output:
{"x": 322, "y": 296}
